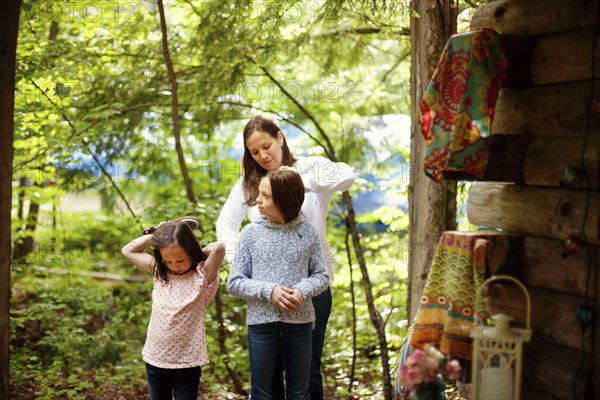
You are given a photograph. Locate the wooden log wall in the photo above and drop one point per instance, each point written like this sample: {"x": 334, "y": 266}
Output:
{"x": 540, "y": 128}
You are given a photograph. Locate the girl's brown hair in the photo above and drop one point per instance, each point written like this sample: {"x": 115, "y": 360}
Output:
{"x": 170, "y": 233}
{"x": 253, "y": 172}
{"x": 287, "y": 190}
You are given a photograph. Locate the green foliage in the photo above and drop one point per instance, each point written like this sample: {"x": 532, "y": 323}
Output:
{"x": 93, "y": 94}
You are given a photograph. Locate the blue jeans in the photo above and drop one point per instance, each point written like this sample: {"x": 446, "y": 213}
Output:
{"x": 163, "y": 382}
{"x": 322, "y": 304}
{"x": 265, "y": 343}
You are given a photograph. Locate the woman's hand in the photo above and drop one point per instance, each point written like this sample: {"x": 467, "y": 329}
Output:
{"x": 286, "y": 299}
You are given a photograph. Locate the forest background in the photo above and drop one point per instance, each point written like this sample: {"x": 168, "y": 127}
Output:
{"x": 142, "y": 104}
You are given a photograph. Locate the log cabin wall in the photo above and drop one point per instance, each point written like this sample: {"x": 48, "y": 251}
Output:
{"x": 546, "y": 120}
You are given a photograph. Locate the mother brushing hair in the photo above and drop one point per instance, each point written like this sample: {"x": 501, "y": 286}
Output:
{"x": 265, "y": 149}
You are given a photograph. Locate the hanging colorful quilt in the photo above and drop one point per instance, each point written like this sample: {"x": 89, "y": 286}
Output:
{"x": 456, "y": 113}
{"x": 449, "y": 309}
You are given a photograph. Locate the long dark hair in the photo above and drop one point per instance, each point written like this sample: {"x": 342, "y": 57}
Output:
{"x": 253, "y": 172}
{"x": 170, "y": 233}
{"x": 287, "y": 190}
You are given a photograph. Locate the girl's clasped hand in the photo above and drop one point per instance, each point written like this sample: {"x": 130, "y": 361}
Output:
{"x": 286, "y": 299}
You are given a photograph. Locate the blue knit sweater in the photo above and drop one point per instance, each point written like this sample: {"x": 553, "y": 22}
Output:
{"x": 273, "y": 254}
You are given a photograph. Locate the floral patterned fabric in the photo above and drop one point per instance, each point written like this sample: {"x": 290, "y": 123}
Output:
{"x": 456, "y": 113}
{"x": 448, "y": 311}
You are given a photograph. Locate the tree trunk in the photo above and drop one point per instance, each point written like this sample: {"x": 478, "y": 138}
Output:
{"x": 175, "y": 107}
{"x": 235, "y": 378}
{"x": 25, "y": 245}
{"x": 9, "y": 21}
{"x": 353, "y": 297}
{"x": 432, "y": 207}
{"x": 376, "y": 319}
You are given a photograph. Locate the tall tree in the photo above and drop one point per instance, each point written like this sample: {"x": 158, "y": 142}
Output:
{"x": 8, "y": 51}
{"x": 432, "y": 207}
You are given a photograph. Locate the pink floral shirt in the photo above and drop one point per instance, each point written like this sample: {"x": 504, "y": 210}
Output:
{"x": 176, "y": 337}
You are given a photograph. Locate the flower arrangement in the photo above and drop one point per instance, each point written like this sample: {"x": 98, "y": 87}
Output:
{"x": 423, "y": 373}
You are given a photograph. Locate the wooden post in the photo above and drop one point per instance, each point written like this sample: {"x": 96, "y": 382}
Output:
{"x": 8, "y": 51}
{"x": 432, "y": 207}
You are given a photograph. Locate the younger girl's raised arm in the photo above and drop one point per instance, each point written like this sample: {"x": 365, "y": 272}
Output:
{"x": 215, "y": 252}
{"x": 134, "y": 252}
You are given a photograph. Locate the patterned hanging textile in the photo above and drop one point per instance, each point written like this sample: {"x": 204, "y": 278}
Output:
{"x": 456, "y": 113}
{"x": 448, "y": 310}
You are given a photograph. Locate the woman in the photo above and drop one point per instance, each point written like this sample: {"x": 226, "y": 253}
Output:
{"x": 265, "y": 149}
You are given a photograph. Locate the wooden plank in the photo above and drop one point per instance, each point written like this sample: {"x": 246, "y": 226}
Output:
{"x": 528, "y": 392}
{"x": 547, "y": 158}
{"x": 549, "y": 110}
{"x": 535, "y": 17}
{"x": 549, "y": 370}
{"x": 564, "y": 57}
{"x": 535, "y": 211}
{"x": 552, "y": 313}
{"x": 543, "y": 266}
{"x": 506, "y": 158}
{"x": 539, "y": 161}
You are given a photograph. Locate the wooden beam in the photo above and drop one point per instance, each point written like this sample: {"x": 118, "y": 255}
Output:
{"x": 540, "y": 161}
{"x": 552, "y": 313}
{"x": 547, "y": 157}
{"x": 9, "y": 23}
{"x": 550, "y": 370}
{"x": 535, "y": 17}
{"x": 535, "y": 211}
{"x": 542, "y": 265}
{"x": 549, "y": 110}
{"x": 506, "y": 158}
{"x": 565, "y": 57}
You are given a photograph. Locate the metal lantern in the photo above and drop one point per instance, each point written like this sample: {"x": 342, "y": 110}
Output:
{"x": 498, "y": 353}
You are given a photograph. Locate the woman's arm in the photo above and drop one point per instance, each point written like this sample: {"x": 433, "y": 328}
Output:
{"x": 321, "y": 175}
{"x": 215, "y": 252}
{"x": 318, "y": 278}
{"x": 230, "y": 220}
{"x": 134, "y": 252}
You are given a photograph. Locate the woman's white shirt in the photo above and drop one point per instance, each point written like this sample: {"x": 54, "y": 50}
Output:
{"x": 321, "y": 178}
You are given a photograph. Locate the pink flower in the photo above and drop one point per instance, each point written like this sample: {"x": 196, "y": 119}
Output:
{"x": 424, "y": 367}
{"x": 417, "y": 356}
{"x": 453, "y": 369}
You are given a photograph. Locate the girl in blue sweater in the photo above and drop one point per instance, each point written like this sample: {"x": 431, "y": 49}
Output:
{"x": 278, "y": 268}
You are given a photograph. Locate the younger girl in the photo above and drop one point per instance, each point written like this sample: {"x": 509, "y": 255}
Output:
{"x": 278, "y": 268}
{"x": 185, "y": 282}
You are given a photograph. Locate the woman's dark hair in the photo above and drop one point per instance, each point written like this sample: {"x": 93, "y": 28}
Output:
{"x": 253, "y": 172}
{"x": 287, "y": 190}
{"x": 170, "y": 233}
